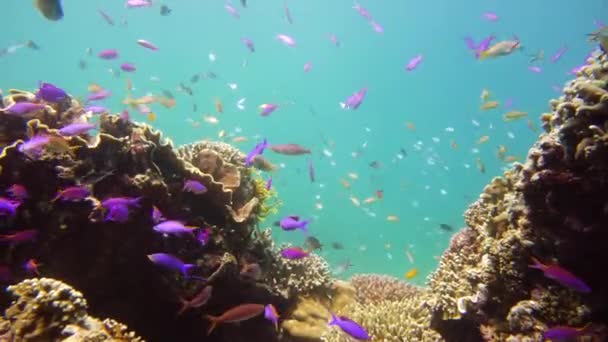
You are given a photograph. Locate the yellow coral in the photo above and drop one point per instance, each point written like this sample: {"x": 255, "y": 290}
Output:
{"x": 269, "y": 199}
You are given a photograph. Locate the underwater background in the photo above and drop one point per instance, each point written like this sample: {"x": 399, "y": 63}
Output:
{"x": 415, "y": 136}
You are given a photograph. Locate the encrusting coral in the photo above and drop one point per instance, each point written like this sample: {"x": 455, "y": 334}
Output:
{"x": 48, "y": 310}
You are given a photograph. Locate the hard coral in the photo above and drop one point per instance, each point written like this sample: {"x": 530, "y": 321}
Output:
{"x": 375, "y": 288}
{"x": 49, "y": 310}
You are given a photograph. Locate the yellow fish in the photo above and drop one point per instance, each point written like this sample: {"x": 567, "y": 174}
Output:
{"x": 151, "y": 117}
{"x": 489, "y": 105}
{"x": 502, "y": 150}
{"x": 514, "y": 115}
{"x": 502, "y": 48}
{"x": 411, "y": 273}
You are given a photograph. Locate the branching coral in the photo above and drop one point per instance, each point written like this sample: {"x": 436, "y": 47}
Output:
{"x": 375, "y": 288}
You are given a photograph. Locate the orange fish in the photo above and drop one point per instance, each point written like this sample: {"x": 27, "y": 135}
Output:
{"x": 151, "y": 117}
{"x": 219, "y": 107}
{"x": 31, "y": 266}
{"x": 94, "y": 88}
{"x": 236, "y": 314}
{"x": 411, "y": 273}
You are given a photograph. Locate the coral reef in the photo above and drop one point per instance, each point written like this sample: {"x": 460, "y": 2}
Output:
{"x": 79, "y": 241}
{"x": 48, "y": 310}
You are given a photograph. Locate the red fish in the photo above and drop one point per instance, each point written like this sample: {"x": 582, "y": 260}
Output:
{"x": 236, "y": 314}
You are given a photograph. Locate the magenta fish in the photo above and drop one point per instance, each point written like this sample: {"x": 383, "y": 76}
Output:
{"x": 354, "y": 101}
{"x": 490, "y": 16}
{"x": 535, "y": 69}
{"x": 23, "y": 108}
{"x": 232, "y": 10}
{"x": 73, "y": 194}
{"x": 108, "y": 54}
{"x": 77, "y": 128}
{"x": 18, "y": 192}
{"x": 413, "y": 63}
{"x": 96, "y": 109}
{"x": 33, "y": 147}
{"x": 377, "y": 27}
{"x": 333, "y": 39}
{"x": 8, "y": 207}
{"x": 99, "y": 95}
{"x": 171, "y": 262}
{"x": 294, "y": 253}
{"x": 249, "y": 44}
{"x": 350, "y": 327}
{"x": 173, "y": 227}
{"x": 269, "y": 183}
{"x": 307, "y": 66}
{"x": 566, "y": 333}
{"x": 287, "y": 40}
{"x": 293, "y": 222}
{"x": 267, "y": 108}
{"x": 138, "y": 3}
{"x": 562, "y": 276}
{"x": 270, "y": 313}
{"x": 558, "y": 54}
{"x": 108, "y": 203}
{"x": 362, "y": 11}
{"x": 118, "y": 213}
{"x": 290, "y": 149}
{"x": 20, "y": 236}
{"x": 257, "y": 150}
{"x": 194, "y": 187}
{"x": 128, "y": 67}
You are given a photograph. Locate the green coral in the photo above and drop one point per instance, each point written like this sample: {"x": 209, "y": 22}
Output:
{"x": 269, "y": 199}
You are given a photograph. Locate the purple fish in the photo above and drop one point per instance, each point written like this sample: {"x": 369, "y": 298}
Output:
{"x": 118, "y": 213}
{"x": 267, "y": 108}
{"x": 270, "y": 313}
{"x": 34, "y": 146}
{"x": 558, "y": 54}
{"x": 128, "y": 67}
{"x": 483, "y": 45}
{"x": 99, "y": 95}
{"x": 23, "y": 108}
{"x": 490, "y": 16}
{"x": 157, "y": 215}
{"x": 76, "y": 129}
{"x": 470, "y": 42}
{"x": 232, "y": 10}
{"x": 269, "y": 183}
{"x": 174, "y": 228}
{"x": 535, "y": 69}
{"x": 413, "y": 63}
{"x": 377, "y": 27}
{"x": 307, "y": 66}
{"x": 51, "y": 93}
{"x": 201, "y": 298}
{"x": 171, "y": 262}
{"x": 350, "y": 327}
{"x": 354, "y": 101}
{"x": 565, "y": 333}
{"x": 508, "y": 104}
{"x": 294, "y": 253}
{"x": 108, "y": 54}
{"x": 20, "y": 236}
{"x": 334, "y": 39}
{"x": 562, "y": 276}
{"x": 257, "y": 151}
{"x": 121, "y": 201}
{"x": 289, "y": 149}
{"x": 73, "y": 194}
{"x": 362, "y": 11}
{"x": 18, "y": 192}
{"x": 194, "y": 187}
{"x": 96, "y": 109}
{"x": 138, "y": 3}
{"x": 311, "y": 171}
{"x": 203, "y": 236}
{"x": 293, "y": 222}
{"x": 249, "y": 44}
{"x": 8, "y": 207}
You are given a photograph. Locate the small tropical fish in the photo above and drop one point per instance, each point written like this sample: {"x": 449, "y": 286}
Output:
{"x": 99, "y": 95}
{"x": 138, "y": 3}
{"x": 108, "y": 54}
{"x": 50, "y": 9}
{"x": 294, "y": 253}
{"x": 269, "y": 183}
{"x": 173, "y": 227}
{"x": 147, "y": 44}
{"x": 483, "y": 139}
{"x": 362, "y": 11}
{"x": 290, "y": 149}
{"x": 490, "y": 16}
{"x": 293, "y": 222}
{"x": 489, "y": 105}
{"x": 18, "y": 192}
{"x": 287, "y": 13}
{"x": 73, "y": 194}
{"x": 236, "y": 314}
{"x": 566, "y": 333}
{"x": 307, "y": 66}
{"x": 110, "y": 202}
{"x": 157, "y": 215}
{"x": 128, "y": 67}
{"x": 600, "y": 36}
{"x": 23, "y": 108}
{"x": 204, "y": 236}
{"x": 413, "y": 63}
{"x": 257, "y": 151}
{"x": 334, "y": 39}
{"x": 535, "y": 69}
{"x": 171, "y": 262}
{"x": 561, "y": 275}
{"x": 514, "y": 115}
{"x": 118, "y": 213}
{"x": 240, "y": 104}
{"x": 267, "y": 108}
{"x": 219, "y": 106}
{"x": 558, "y": 54}
{"x": 355, "y": 201}
{"x": 342, "y": 267}
{"x": 165, "y": 10}
{"x": 96, "y": 109}
{"x": 311, "y": 171}
{"x": 51, "y": 93}
{"x": 8, "y": 207}
{"x": 502, "y": 150}
{"x": 376, "y": 26}
{"x": 312, "y": 243}
{"x": 34, "y": 146}
{"x": 480, "y": 165}
{"x": 337, "y": 245}
{"x": 31, "y": 267}
{"x": 76, "y": 129}
{"x": 350, "y": 327}
{"x": 194, "y": 187}
{"x": 354, "y": 101}
{"x": 392, "y": 218}
{"x": 270, "y": 313}
{"x": 200, "y": 299}
{"x": 411, "y": 273}
{"x": 502, "y": 48}
{"x": 446, "y": 227}
{"x": 249, "y": 44}
{"x": 106, "y": 17}
{"x": 539, "y": 56}
{"x": 287, "y": 40}
{"x": 20, "y": 236}
{"x": 232, "y": 10}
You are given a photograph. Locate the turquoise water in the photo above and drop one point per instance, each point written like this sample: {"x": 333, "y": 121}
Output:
{"x": 444, "y": 91}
